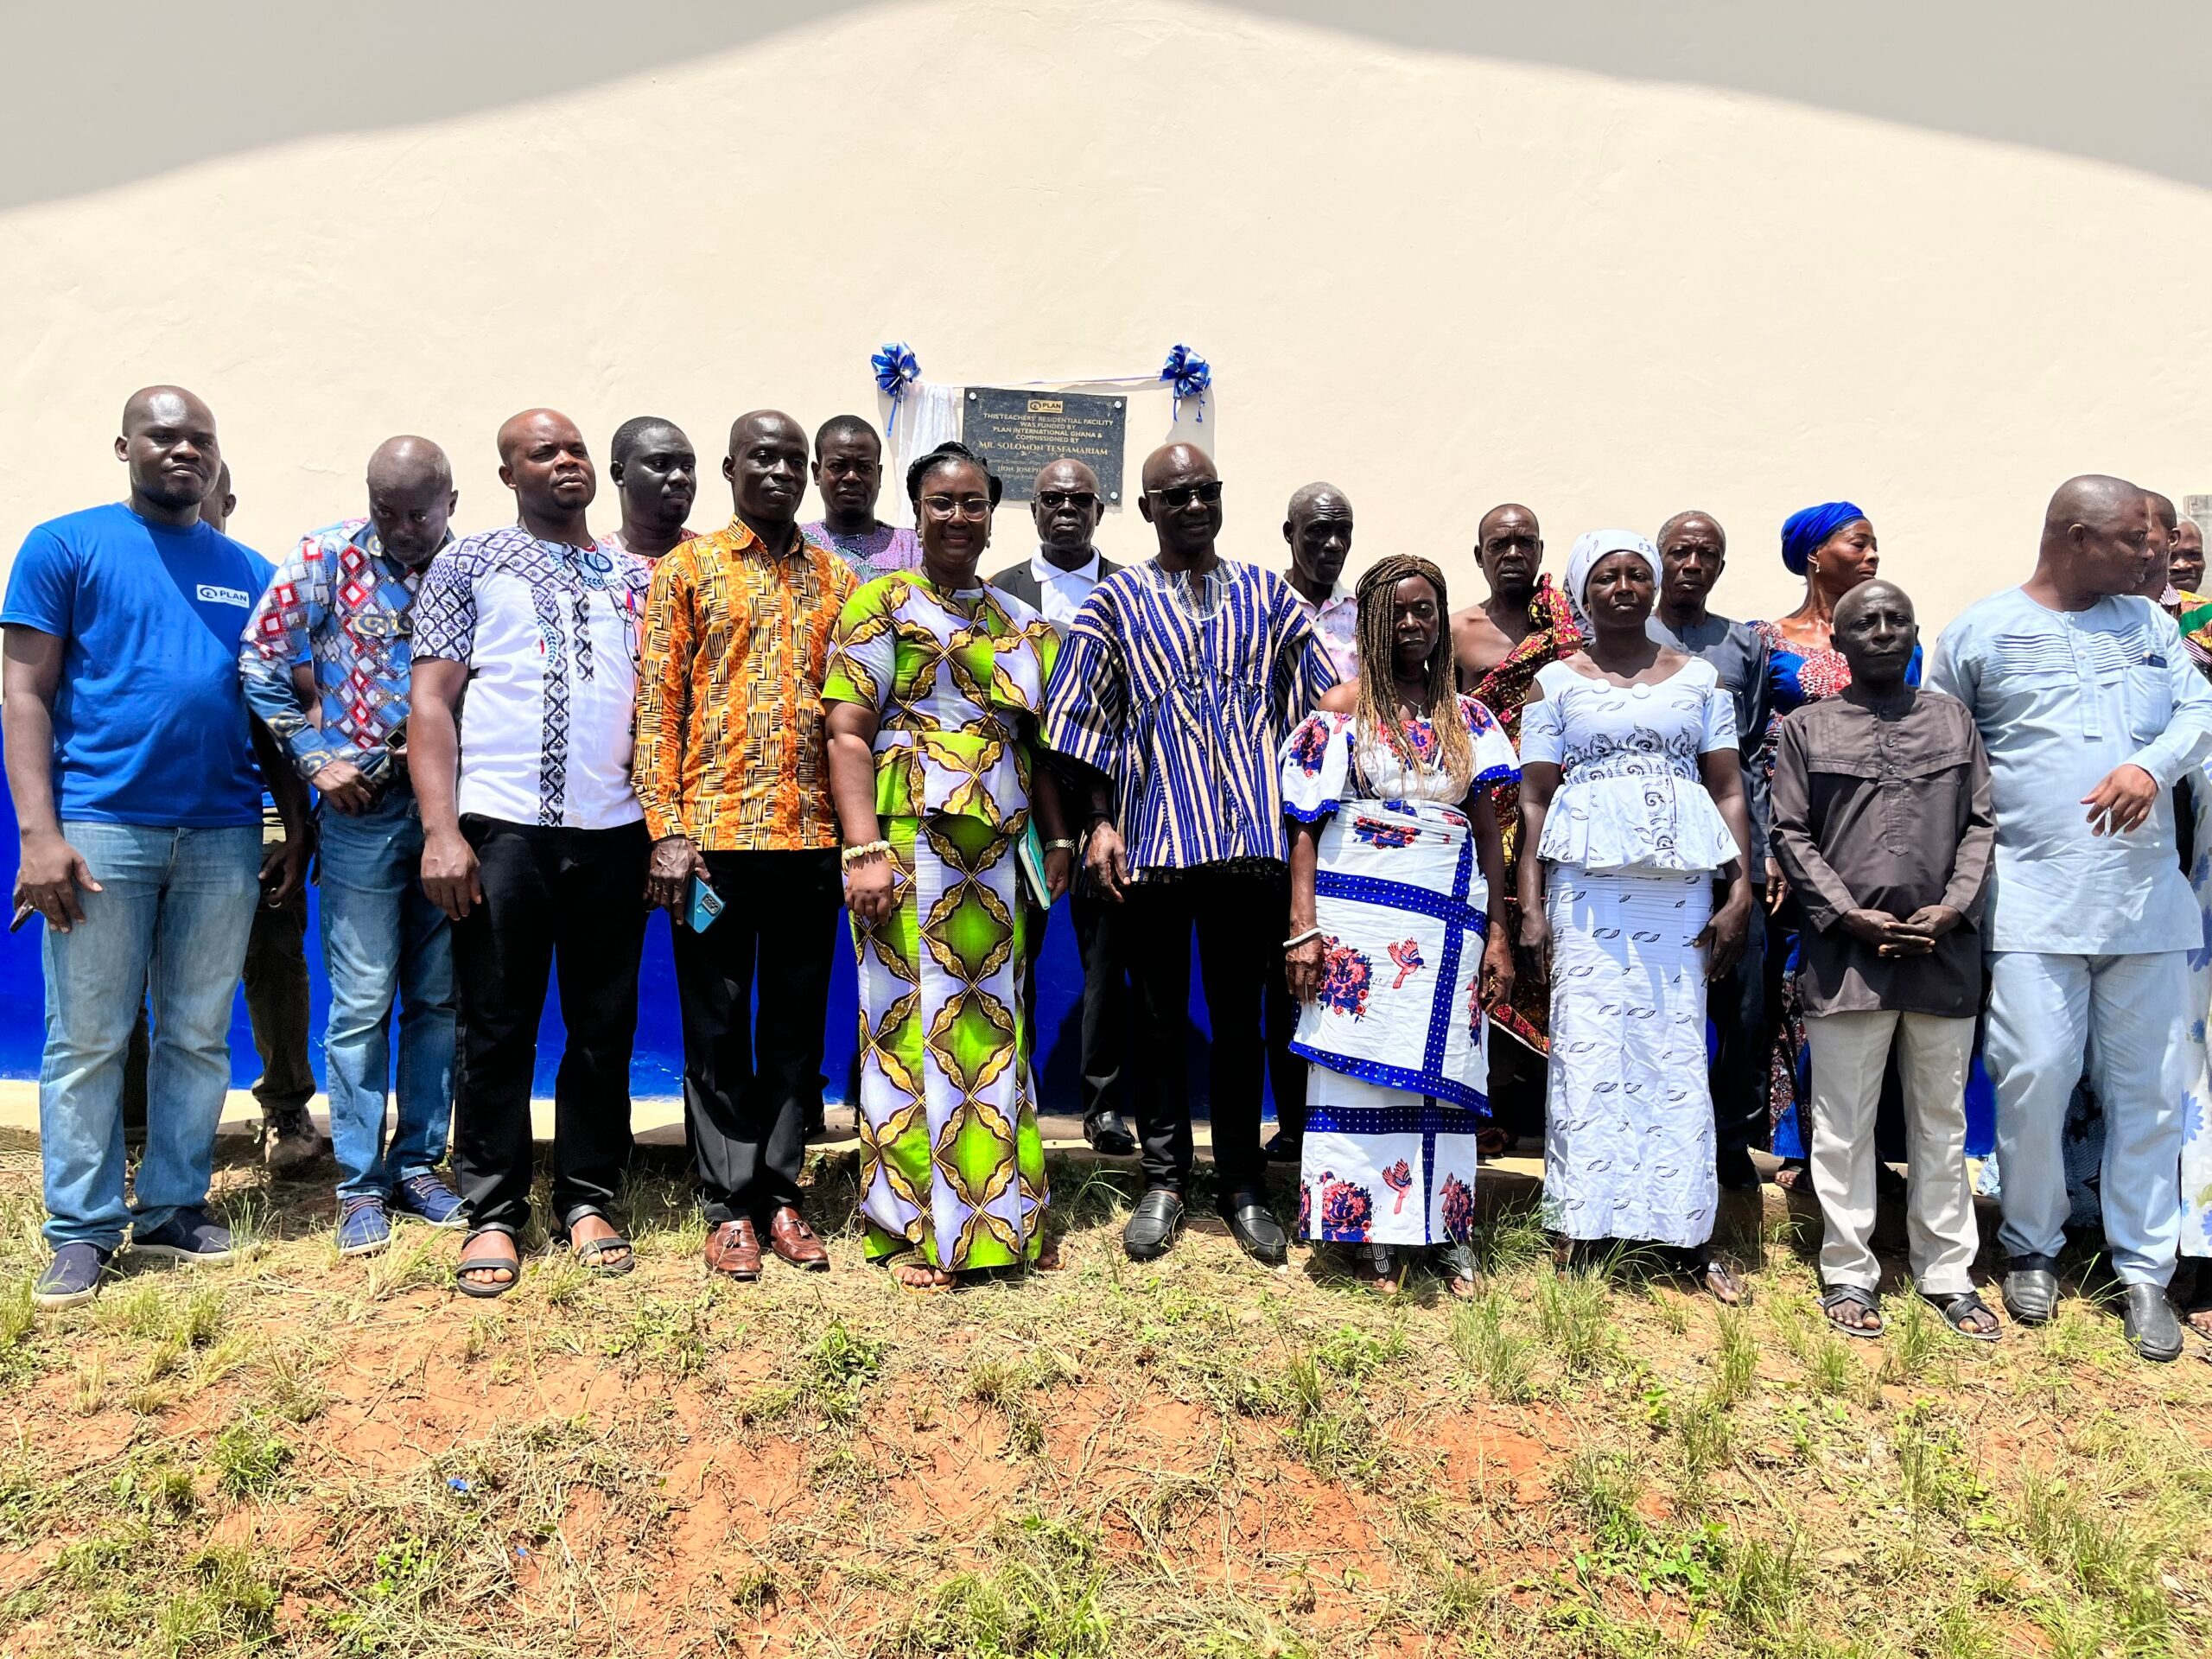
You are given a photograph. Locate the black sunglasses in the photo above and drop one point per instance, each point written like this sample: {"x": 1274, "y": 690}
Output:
{"x": 1055, "y": 499}
{"x": 1180, "y": 495}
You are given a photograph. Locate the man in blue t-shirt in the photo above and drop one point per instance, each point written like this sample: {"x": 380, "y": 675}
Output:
{"x": 130, "y": 759}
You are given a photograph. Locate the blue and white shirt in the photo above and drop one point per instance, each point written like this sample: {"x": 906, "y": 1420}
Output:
{"x": 1181, "y": 689}
{"x": 549, "y": 635}
{"x": 2061, "y": 698}
{"x": 340, "y": 603}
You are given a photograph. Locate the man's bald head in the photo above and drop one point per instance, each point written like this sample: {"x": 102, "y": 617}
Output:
{"x": 1869, "y": 592}
{"x": 1174, "y": 463}
{"x": 1182, "y": 500}
{"x": 536, "y": 425}
{"x": 411, "y": 498}
{"x": 405, "y": 462}
{"x": 1509, "y": 545}
{"x": 168, "y": 442}
{"x": 766, "y": 467}
{"x": 2096, "y": 540}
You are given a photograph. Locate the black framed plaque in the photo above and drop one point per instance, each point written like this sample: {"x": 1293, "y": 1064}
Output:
{"x": 1022, "y": 433}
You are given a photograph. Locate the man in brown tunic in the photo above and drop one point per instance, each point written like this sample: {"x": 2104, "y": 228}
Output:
{"x": 1882, "y": 824}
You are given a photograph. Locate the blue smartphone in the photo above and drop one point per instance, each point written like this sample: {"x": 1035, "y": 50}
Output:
{"x": 703, "y": 904}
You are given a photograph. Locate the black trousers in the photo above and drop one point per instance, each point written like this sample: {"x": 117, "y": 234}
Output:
{"x": 1104, "y": 1014}
{"x": 748, "y": 1087}
{"x": 569, "y": 902}
{"x": 1737, "y": 1007}
{"x": 1238, "y": 918}
{"x": 1285, "y": 1071}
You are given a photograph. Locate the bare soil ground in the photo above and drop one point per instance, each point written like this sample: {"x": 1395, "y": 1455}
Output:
{"x": 299, "y": 1455}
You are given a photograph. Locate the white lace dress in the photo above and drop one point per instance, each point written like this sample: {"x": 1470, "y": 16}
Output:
{"x": 1631, "y": 845}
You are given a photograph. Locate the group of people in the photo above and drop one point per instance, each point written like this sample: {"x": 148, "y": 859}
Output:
{"x": 1582, "y": 856}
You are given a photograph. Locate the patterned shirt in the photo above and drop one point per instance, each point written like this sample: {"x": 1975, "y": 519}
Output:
{"x": 549, "y": 633}
{"x": 731, "y": 750}
{"x": 872, "y": 553}
{"x": 957, "y": 681}
{"x": 1336, "y": 621}
{"x": 1181, "y": 689}
{"x": 338, "y": 603}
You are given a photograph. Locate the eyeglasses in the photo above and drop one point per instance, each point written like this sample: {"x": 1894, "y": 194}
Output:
{"x": 1181, "y": 495}
{"x": 1055, "y": 499}
{"x": 963, "y": 506}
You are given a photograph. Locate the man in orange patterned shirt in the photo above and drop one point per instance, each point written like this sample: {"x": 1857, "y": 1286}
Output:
{"x": 733, "y": 774}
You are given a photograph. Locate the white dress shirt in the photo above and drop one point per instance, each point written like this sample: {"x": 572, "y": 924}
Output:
{"x": 1061, "y": 593}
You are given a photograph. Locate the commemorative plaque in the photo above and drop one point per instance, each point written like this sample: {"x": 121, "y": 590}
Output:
{"x": 1023, "y": 432}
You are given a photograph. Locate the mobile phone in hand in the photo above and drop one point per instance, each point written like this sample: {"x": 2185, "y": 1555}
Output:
{"x": 701, "y": 906}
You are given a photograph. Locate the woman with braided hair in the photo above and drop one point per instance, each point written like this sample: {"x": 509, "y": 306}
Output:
{"x": 1395, "y": 866}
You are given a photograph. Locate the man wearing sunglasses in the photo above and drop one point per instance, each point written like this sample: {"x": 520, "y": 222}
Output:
{"x": 1067, "y": 505}
{"x": 1178, "y": 681}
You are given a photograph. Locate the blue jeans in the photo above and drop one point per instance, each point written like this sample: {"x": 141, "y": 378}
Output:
{"x": 171, "y": 919}
{"x": 381, "y": 937}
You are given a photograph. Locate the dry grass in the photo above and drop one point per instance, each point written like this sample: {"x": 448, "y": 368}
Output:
{"x": 298, "y": 1455}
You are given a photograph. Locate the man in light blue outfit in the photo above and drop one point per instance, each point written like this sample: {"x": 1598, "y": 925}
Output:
{"x": 2090, "y": 709}
{"x": 335, "y": 635}
{"x": 132, "y": 762}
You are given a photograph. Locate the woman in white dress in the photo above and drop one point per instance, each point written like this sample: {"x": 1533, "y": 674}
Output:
{"x": 1395, "y": 866}
{"x": 1632, "y": 797}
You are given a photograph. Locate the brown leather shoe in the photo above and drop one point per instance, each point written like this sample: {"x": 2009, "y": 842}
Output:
{"x": 733, "y": 1248}
{"x": 792, "y": 1238}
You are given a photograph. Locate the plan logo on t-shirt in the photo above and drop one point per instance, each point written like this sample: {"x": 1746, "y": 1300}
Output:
{"x": 212, "y": 594}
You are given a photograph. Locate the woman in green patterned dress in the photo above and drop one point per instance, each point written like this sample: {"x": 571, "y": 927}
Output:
{"x": 933, "y": 689}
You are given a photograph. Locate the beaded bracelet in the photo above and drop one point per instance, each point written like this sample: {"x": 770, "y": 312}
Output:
{"x": 865, "y": 850}
{"x": 1296, "y": 940}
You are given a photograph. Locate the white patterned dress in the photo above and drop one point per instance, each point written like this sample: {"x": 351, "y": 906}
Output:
{"x": 1631, "y": 844}
{"x": 1394, "y": 1092}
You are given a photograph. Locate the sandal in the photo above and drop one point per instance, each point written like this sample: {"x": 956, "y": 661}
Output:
{"x": 1491, "y": 1141}
{"x": 1456, "y": 1265}
{"x": 934, "y": 1281}
{"x": 1372, "y": 1266}
{"x": 1960, "y": 1306}
{"x": 591, "y": 1255}
{"x": 1048, "y": 1257}
{"x": 467, "y": 1264}
{"x": 1721, "y": 1280}
{"x": 1833, "y": 1301}
{"x": 1792, "y": 1176}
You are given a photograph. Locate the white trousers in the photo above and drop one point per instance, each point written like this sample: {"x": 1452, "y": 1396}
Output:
{"x": 2123, "y": 1018}
{"x": 1849, "y": 1052}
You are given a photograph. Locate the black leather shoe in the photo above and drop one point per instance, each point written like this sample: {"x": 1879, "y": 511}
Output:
{"x": 2030, "y": 1289}
{"x": 2153, "y": 1330}
{"x": 1153, "y": 1225}
{"x": 1255, "y": 1229}
{"x": 1108, "y": 1131}
{"x": 1286, "y": 1147}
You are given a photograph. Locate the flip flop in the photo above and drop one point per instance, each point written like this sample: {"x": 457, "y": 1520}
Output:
{"x": 591, "y": 1255}
{"x": 1961, "y": 1306}
{"x": 1833, "y": 1301}
{"x": 469, "y": 1264}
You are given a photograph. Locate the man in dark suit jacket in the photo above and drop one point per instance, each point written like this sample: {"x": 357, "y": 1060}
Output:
{"x": 1067, "y": 505}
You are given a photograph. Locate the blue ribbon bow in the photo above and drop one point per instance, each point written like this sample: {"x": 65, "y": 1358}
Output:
{"x": 895, "y": 368}
{"x": 1187, "y": 375}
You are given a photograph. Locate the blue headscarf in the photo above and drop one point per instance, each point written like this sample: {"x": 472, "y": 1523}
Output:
{"x": 1805, "y": 530}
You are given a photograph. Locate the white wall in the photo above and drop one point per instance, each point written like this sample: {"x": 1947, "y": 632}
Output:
{"x": 1611, "y": 259}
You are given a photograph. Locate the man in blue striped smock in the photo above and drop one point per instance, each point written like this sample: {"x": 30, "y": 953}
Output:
{"x": 1178, "y": 681}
